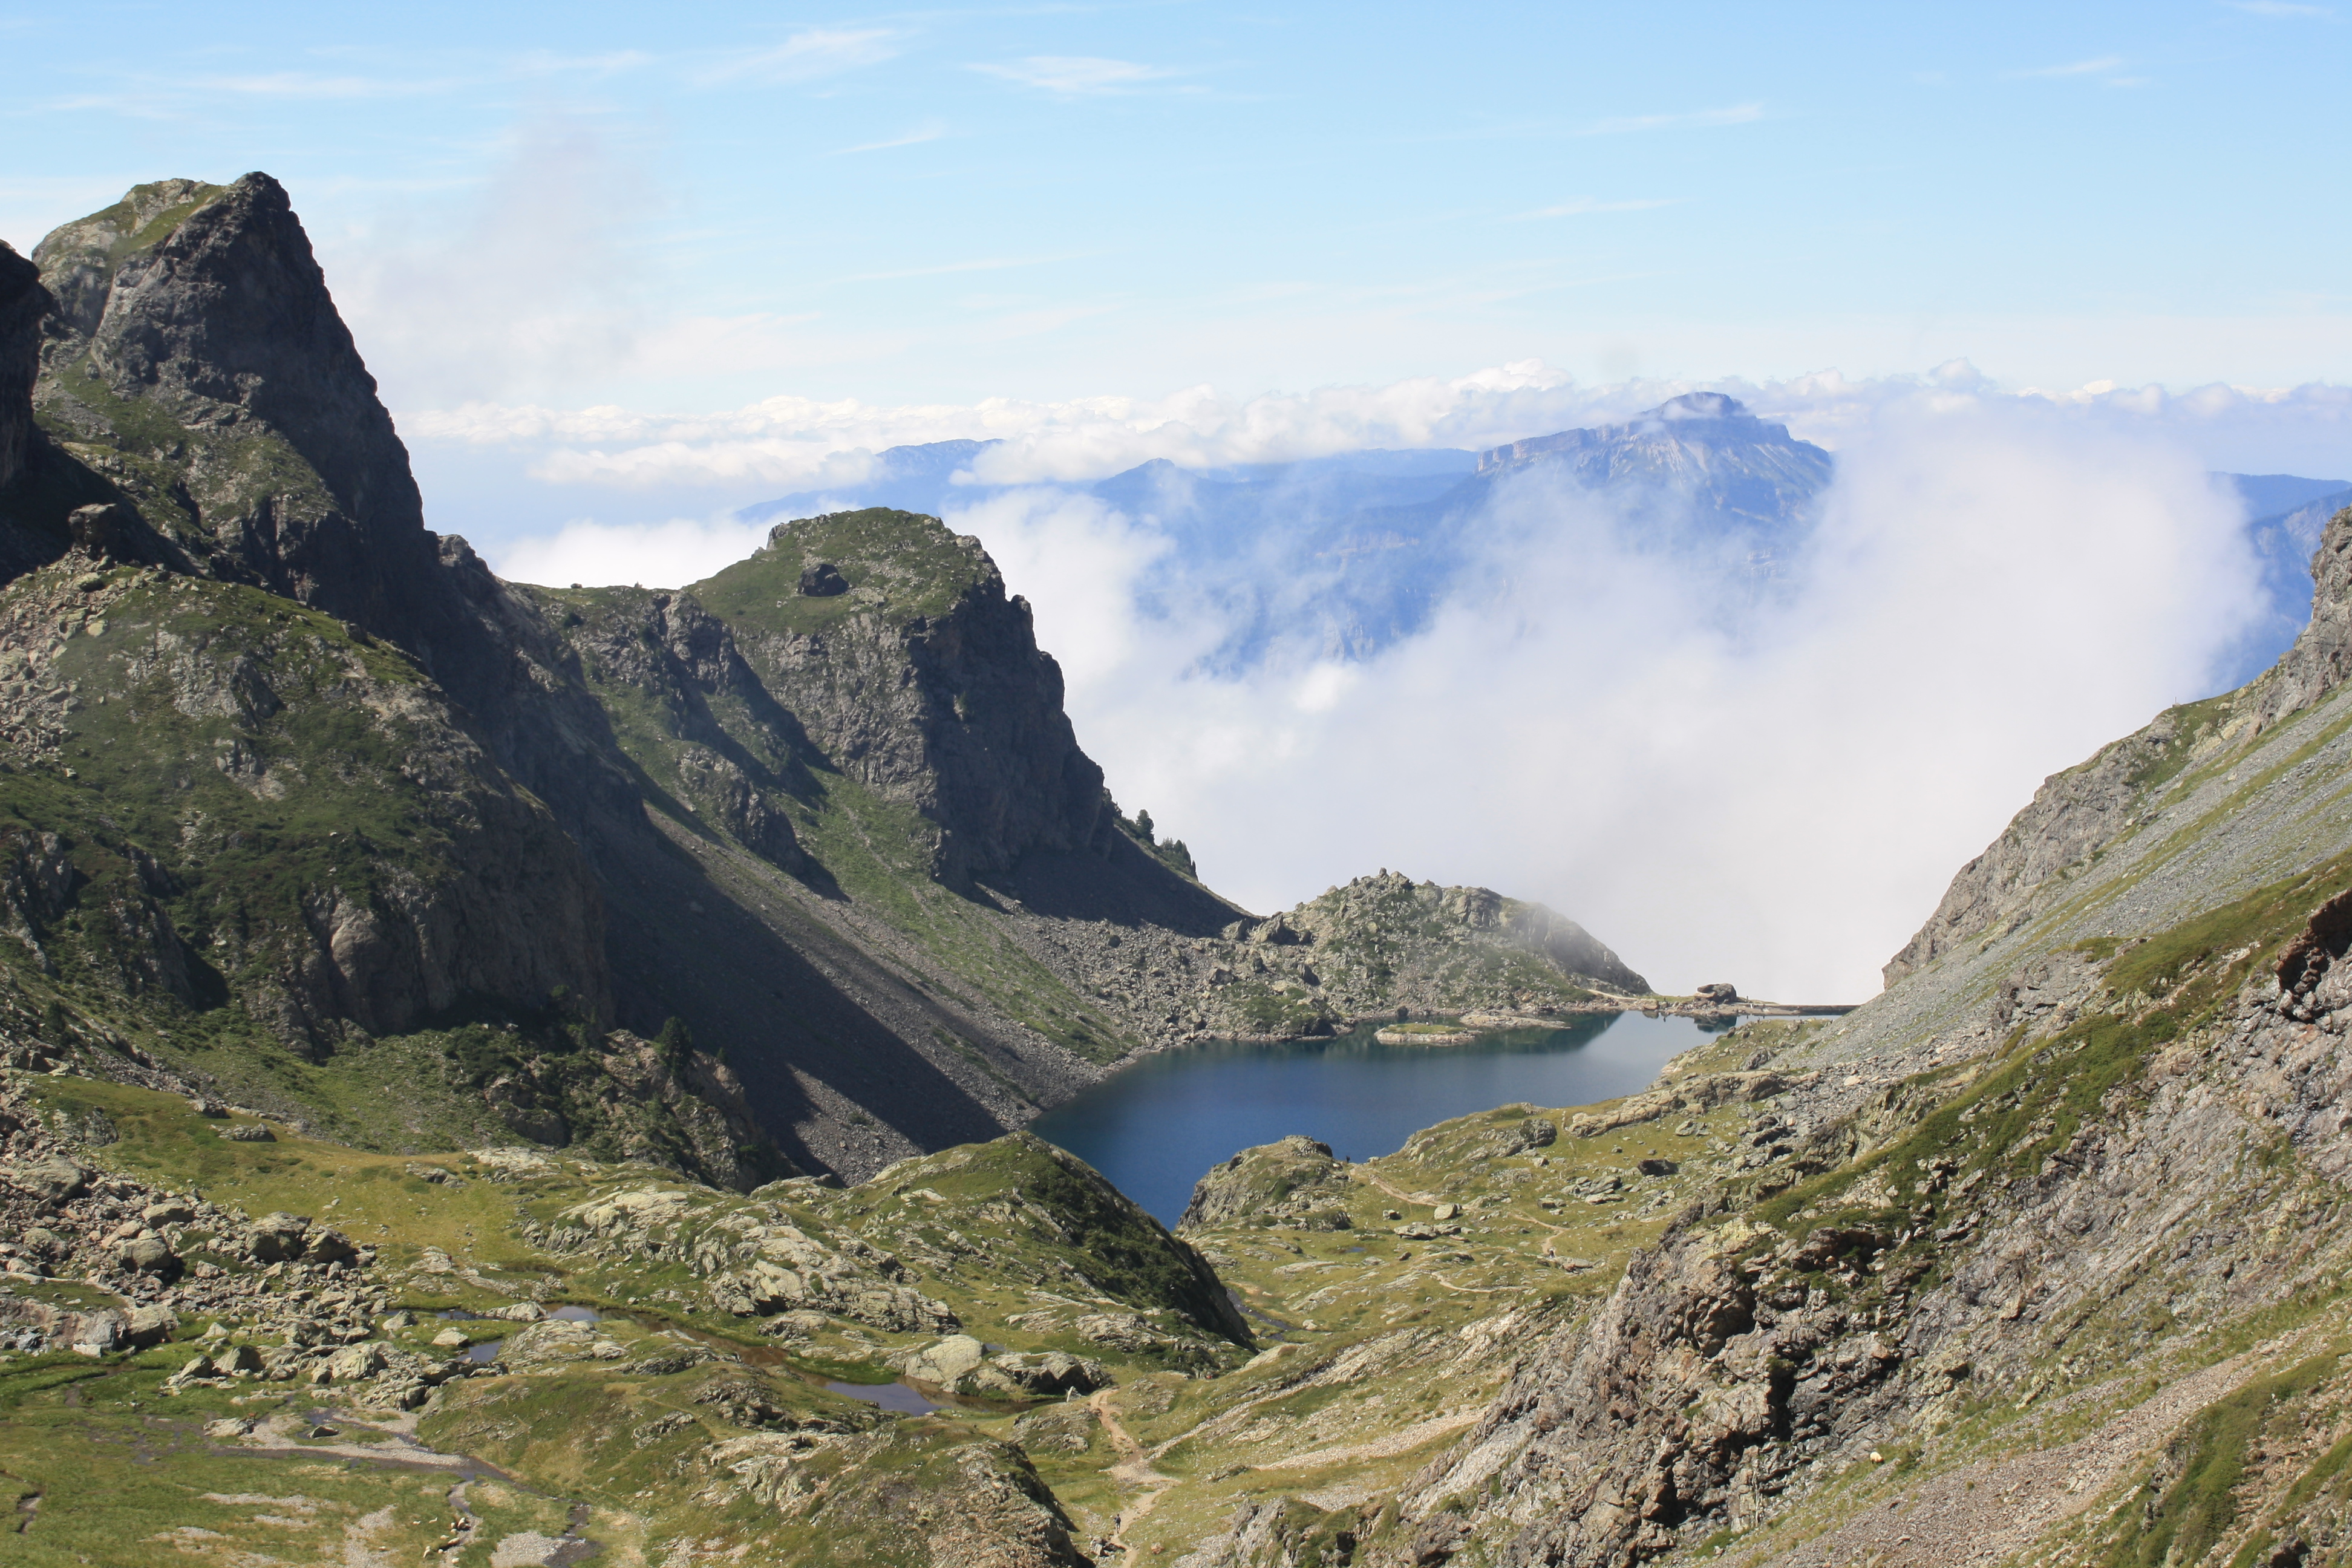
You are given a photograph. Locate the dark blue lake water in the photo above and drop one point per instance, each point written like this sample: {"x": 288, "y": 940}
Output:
{"x": 1155, "y": 1128}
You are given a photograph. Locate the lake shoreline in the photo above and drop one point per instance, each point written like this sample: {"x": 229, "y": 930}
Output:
{"x": 1479, "y": 1021}
{"x": 1158, "y": 1123}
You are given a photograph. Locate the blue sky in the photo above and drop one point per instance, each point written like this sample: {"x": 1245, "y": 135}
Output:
{"x": 691, "y": 207}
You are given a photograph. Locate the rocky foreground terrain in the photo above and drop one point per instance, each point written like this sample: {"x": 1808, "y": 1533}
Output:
{"x": 362, "y": 1203}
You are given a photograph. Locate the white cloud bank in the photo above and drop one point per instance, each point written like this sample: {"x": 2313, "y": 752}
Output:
{"x": 797, "y": 443}
{"x": 1768, "y": 789}
{"x": 1772, "y": 792}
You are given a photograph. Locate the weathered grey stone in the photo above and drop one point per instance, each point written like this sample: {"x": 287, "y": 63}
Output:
{"x": 945, "y": 1362}
{"x": 150, "y": 1325}
{"x": 324, "y": 1245}
{"x": 1048, "y": 1373}
{"x": 277, "y": 1238}
{"x": 52, "y": 1178}
{"x": 150, "y": 1254}
{"x": 352, "y": 1363}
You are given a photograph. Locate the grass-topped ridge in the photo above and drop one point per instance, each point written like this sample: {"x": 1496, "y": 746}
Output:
{"x": 901, "y": 566}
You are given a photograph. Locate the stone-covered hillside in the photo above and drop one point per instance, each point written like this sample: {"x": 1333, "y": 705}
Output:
{"x": 517, "y": 1358}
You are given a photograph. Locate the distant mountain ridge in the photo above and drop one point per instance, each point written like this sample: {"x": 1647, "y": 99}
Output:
{"x": 1704, "y": 445}
{"x": 1359, "y": 548}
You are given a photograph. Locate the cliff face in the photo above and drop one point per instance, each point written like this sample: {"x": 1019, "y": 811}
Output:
{"x": 2318, "y": 662}
{"x": 161, "y": 736}
{"x": 23, "y": 303}
{"x": 894, "y": 644}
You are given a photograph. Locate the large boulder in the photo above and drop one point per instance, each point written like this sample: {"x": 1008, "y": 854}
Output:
{"x": 324, "y": 1245}
{"x": 946, "y": 1361}
{"x": 1048, "y": 1374}
{"x": 150, "y": 1325}
{"x": 352, "y": 1363}
{"x": 52, "y": 1179}
{"x": 277, "y": 1238}
{"x": 150, "y": 1255}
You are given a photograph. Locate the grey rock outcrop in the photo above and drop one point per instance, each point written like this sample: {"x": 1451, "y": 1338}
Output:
{"x": 53, "y": 1178}
{"x": 921, "y": 678}
{"x": 2073, "y": 816}
{"x": 23, "y": 303}
{"x": 1294, "y": 1182}
{"x": 2321, "y": 656}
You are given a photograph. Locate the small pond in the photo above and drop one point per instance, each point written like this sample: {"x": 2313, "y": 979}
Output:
{"x": 1155, "y": 1128}
{"x": 898, "y": 1396}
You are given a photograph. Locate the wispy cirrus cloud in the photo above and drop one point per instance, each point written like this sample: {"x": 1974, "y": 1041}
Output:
{"x": 1734, "y": 114}
{"x": 978, "y": 264}
{"x": 929, "y": 132}
{"x": 2099, "y": 66}
{"x": 1580, "y": 205}
{"x": 543, "y": 62}
{"x": 151, "y": 97}
{"x": 805, "y": 55}
{"x": 313, "y": 86}
{"x": 1079, "y": 75}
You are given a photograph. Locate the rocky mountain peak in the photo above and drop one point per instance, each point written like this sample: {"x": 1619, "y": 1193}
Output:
{"x": 78, "y": 260}
{"x": 893, "y": 641}
{"x": 1379, "y": 907}
{"x": 195, "y": 329}
{"x": 1703, "y": 448}
{"x": 1702, "y": 406}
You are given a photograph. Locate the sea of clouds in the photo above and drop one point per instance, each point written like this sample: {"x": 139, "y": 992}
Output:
{"x": 1767, "y": 785}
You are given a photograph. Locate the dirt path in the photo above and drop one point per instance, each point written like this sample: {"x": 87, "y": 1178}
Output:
{"x": 1133, "y": 1468}
{"x": 1987, "y": 1512}
{"x": 1365, "y": 1173}
{"x": 1403, "y": 1440}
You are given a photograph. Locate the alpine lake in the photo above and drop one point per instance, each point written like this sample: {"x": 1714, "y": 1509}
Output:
{"x": 1156, "y": 1126}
